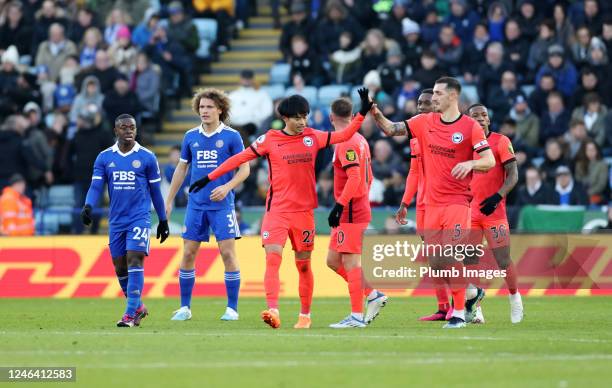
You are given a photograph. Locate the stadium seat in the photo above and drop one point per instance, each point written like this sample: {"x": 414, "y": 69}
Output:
{"x": 60, "y": 195}
{"x": 537, "y": 161}
{"x": 275, "y": 91}
{"x": 309, "y": 93}
{"x": 355, "y": 96}
{"x": 328, "y": 93}
{"x": 207, "y": 32}
{"x": 279, "y": 73}
{"x": 527, "y": 89}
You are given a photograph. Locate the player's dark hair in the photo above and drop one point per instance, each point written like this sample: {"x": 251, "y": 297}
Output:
{"x": 451, "y": 83}
{"x": 474, "y": 106}
{"x": 342, "y": 107}
{"x": 427, "y": 91}
{"x": 220, "y": 99}
{"x": 293, "y": 106}
{"x": 124, "y": 116}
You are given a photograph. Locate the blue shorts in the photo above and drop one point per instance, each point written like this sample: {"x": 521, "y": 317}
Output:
{"x": 132, "y": 238}
{"x": 199, "y": 222}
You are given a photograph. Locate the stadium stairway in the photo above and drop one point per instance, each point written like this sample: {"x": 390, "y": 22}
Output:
{"x": 256, "y": 48}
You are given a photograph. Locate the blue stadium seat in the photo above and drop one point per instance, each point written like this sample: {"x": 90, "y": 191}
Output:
{"x": 60, "y": 195}
{"x": 279, "y": 73}
{"x": 275, "y": 91}
{"x": 355, "y": 96}
{"x": 309, "y": 93}
{"x": 527, "y": 89}
{"x": 328, "y": 93}
{"x": 207, "y": 32}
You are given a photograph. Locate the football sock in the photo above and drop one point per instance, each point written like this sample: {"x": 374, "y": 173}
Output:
{"x": 271, "y": 279}
{"x": 355, "y": 290}
{"x": 134, "y": 289}
{"x": 232, "y": 287}
{"x": 186, "y": 283}
{"x": 366, "y": 289}
{"x": 306, "y": 284}
{"x": 511, "y": 280}
{"x": 123, "y": 282}
{"x": 441, "y": 294}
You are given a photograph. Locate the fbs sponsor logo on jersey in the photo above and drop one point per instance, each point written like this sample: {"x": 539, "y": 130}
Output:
{"x": 351, "y": 155}
{"x": 206, "y": 155}
{"x": 457, "y": 137}
{"x": 308, "y": 141}
{"x": 122, "y": 176}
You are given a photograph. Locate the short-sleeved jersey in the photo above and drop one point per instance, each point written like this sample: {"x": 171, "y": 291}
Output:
{"x": 205, "y": 152}
{"x": 128, "y": 177}
{"x": 291, "y": 168}
{"x": 485, "y": 184}
{"x": 443, "y": 146}
{"x": 354, "y": 153}
{"x": 417, "y": 157}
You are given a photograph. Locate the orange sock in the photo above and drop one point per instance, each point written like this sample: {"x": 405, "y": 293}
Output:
{"x": 441, "y": 294}
{"x": 457, "y": 285}
{"x": 271, "y": 279}
{"x": 355, "y": 292}
{"x": 511, "y": 280}
{"x": 306, "y": 284}
{"x": 366, "y": 288}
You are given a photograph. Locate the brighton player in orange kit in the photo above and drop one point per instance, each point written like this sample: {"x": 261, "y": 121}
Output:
{"x": 350, "y": 217}
{"x": 489, "y": 214}
{"x": 292, "y": 197}
{"x": 447, "y": 139}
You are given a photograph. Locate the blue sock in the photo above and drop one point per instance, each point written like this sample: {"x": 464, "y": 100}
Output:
{"x": 134, "y": 289}
{"x": 186, "y": 281}
{"x": 232, "y": 287}
{"x": 123, "y": 282}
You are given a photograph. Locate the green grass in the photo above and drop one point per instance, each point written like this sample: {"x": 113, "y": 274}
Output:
{"x": 563, "y": 342}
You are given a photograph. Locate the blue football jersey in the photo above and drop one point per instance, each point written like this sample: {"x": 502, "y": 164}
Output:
{"x": 205, "y": 152}
{"x": 128, "y": 177}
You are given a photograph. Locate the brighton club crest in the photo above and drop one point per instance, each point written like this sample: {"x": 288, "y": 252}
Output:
{"x": 308, "y": 141}
{"x": 457, "y": 137}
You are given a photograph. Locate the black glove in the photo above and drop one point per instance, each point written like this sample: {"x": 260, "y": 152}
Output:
{"x": 86, "y": 215}
{"x": 199, "y": 184}
{"x": 334, "y": 215}
{"x": 163, "y": 231}
{"x": 488, "y": 206}
{"x": 366, "y": 102}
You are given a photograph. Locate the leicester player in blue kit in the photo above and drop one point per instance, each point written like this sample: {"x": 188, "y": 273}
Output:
{"x": 132, "y": 174}
{"x": 204, "y": 148}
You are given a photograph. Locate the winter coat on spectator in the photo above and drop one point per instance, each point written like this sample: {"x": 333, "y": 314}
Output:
{"x": 186, "y": 34}
{"x": 538, "y": 53}
{"x": 429, "y": 77}
{"x": 449, "y": 56}
{"x": 566, "y": 77}
{"x": 346, "y": 66}
{"x": 309, "y": 66}
{"x": 597, "y": 129}
{"x": 146, "y": 85}
{"x": 41, "y": 30}
{"x": 327, "y": 28}
{"x": 12, "y": 155}
{"x": 106, "y": 77}
{"x": 577, "y": 194}
{"x": 542, "y": 196}
{"x": 54, "y": 63}
{"x": 518, "y": 47}
{"x": 20, "y": 36}
{"x": 41, "y": 150}
{"x": 84, "y": 149}
{"x": 489, "y": 79}
{"x": 116, "y": 104}
{"x": 464, "y": 25}
{"x": 123, "y": 58}
{"x": 594, "y": 177}
{"x": 82, "y": 100}
{"x": 553, "y": 125}
{"x": 290, "y": 29}
{"x": 527, "y": 127}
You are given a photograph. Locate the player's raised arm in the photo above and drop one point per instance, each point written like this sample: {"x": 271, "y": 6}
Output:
{"x": 227, "y": 166}
{"x": 389, "y": 127}
{"x": 348, "y": 132}
{"x": 98, "y": 179}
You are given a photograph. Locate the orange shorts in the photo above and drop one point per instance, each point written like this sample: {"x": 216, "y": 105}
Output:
{"x": 298, "y": 226}
{"x": 497, "y": 232}
{"x": 447, "y": 224}
{"x": 420, "y": 221}
{"x": 347, "y": 238}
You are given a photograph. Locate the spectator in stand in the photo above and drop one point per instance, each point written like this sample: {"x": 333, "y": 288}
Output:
{"x": 516, "y": 48}
{"x": 15, "y": 155}
{"x": 325, "y": 189}
{"x": 592, "y": 113}
{"x": 591, "y": 17}
{"x": 392, "y": 28}
{"x": 574, "y": 138}
{"x": 567, "y": 190}
{"x": 250, "y": 105}
{"x": 592, "y": 172}
{"x": 345, "y": 62}
{"x": 299, "y": 24}
{"x": 528, "y": 19}
{"x": 90, "y": 94}
{"x": 336, "y": 19}
{"x": 116, "y": 19}
{"x": 121, "y": 100}
{"x": 123, "y": 53}
{"x": 392, "y": 71}
{"x": 405, "y": 99}
{"x": 145, "y": 82}
{"x": 449, "y": 50}
{"x": 304, "y": 61}
{"x": 555, "y": 120}
{"x": 527, "y": 123}
{"x": 553, "y": 158}
{"x": 9, "y": 77}
{"x": 490, "y": 73}
{"x": 48, "y": 15}
{"x": 474, "y": 54}
{"x": 537, "y": 99}
{"x": 373, "y": 51}
{"x": 430, "y": 28}
{"x": 538, "y": 51}
{"x": 430, "y": 71}
{"x": 16, "y": 31}
{"x": 52, "y": 53}
{"x": 535, "y": 191}
{"x": 580, "y": 47}
{"x": 383, "y": 160}
{"x": 16, "y": 215}
{"x": 182, "y": 30}
{"x": 102, "y": 70}
{"x": 589, "y": 83}
{"x": 144, "y": 31}
{"x": 501, "y": 102}
{"x": 36, "y": 176}
{"x": 496, "y": 19}
{"x": 564, "y": 30}
{"x": 606, "y": 34}
{"x": 411, "y": 44}
{"x": 91, "y": 43}
{"x": 181, "y": 196}
{"x": 220, "y": 10}
{"x": 462, "y": 19}
{"x": 598, "y": 59}
{"x": 85, "y": 19}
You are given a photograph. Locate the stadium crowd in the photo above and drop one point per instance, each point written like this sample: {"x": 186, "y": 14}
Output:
{"x": 69, "y": 67}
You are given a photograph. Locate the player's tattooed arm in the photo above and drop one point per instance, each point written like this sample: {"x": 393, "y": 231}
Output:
{"x": 511, "y": 170}
{"x": 389, "y": 127}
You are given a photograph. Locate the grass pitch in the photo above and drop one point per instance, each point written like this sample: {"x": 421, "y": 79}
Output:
{"x": 563, "y": 342}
